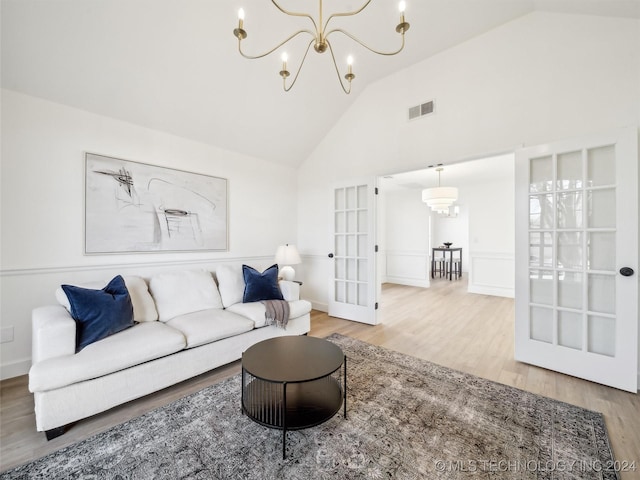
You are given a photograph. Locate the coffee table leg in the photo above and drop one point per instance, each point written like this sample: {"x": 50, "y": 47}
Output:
{"x": 242, "y": 393}
{"x": 284, "y": 420}
{"x": 345, "y": 387}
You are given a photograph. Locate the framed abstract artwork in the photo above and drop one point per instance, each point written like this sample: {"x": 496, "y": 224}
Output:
{"x": 133, "y": 207}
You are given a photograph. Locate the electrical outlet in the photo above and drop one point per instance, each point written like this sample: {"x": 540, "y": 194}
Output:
{"x": 6, "y": 334}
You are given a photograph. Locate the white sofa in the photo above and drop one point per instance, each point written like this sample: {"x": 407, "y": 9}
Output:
{"x": 185, "y": 325}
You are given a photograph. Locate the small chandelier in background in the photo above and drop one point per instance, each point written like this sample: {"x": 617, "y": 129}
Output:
{"x": 440, "y": 198}
{"x": 320, "y": 41}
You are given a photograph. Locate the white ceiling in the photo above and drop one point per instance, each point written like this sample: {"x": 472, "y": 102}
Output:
{"x": 172, "y": 65}
{"x": 472, "y": 172}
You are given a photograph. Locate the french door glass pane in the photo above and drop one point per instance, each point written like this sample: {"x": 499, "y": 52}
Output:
{"x": 340, "y": 291}
{"x": 541, "y": 287}
{"x": 541, "y": 211}
{"x": 541, "y": 324}
{"x": 362, "y": 245}
{"x": 351, "y": 246}
{"x": 602, "y": 335}
{"x": 541, "y": 174}
{"x": 351, "y": 293}
{"x": 362, "y": 221}
{"x": 570, "y": 250}
{"x": 340, "y": 222}
{"x": 569, "y": 170}
{"x": 362, "y": 294}
{"x": 362, "y": 270}
{"x": 570, "y": 210}
{"x": 351, "y": 198}
{"x": 601, "y": 205}
{"x": 340, "y": 269}
{"x": 570, "y": 330}
{"x": 340, "y": 246}
{"x": 602, "y": 293}
{"x": 339, "y": 201}
{"x": 352, "y": 225}
{"x": 602, "y": 251}
{"x": 540, "y": 249}
{"x": 351, "y": 269}
{"x": 601, "y": 163}
{"x": 570, "y": 290}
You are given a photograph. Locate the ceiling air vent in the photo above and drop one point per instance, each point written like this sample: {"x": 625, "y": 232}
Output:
{"x": 421, "y": 110}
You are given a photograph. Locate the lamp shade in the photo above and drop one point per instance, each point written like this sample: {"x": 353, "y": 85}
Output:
{"x": 440, "y": 198}
{"x": 287, "y": 255}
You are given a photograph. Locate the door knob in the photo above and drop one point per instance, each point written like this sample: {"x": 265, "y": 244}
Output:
{"x": 626, "y": 271}
{"x": 331, "y": 255}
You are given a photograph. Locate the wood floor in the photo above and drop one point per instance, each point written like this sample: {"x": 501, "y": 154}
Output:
{"x": 443, "y": 324}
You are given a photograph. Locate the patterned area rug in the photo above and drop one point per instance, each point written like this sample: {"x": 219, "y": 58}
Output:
{"x": 407, "y": 419}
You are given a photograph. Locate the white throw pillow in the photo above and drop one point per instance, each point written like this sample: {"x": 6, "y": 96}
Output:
{"x": 144, "y": 308}
{"x": 178, "y": 293}
{"x": 231, "y": 283}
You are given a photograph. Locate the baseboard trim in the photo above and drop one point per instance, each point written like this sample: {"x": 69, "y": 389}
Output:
{"x": 320, "y": 306}
{"x": 15, "y": 369}
{"x": 409, "y": 282}
{"x": 492, "y": 290}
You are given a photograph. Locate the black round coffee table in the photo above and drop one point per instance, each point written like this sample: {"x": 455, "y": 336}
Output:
{"x": 290, "y": 383}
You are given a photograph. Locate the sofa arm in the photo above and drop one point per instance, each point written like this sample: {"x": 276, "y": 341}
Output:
{"x": 54, "y": 333}
{"x": 290, "y": 290}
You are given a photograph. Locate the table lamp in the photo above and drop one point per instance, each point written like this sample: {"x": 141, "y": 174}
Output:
{"x": 287, "y": 255}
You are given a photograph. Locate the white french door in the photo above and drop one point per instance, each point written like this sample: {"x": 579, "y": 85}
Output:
{"x": 577, "y": 258}
{"x": 352, "y": 277}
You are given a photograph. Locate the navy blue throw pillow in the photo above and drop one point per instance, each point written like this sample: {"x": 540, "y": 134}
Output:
{"x": 99, "y": 313}
{"x": 261, "y": 286}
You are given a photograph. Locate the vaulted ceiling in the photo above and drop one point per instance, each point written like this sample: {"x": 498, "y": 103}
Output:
{"x": 173, "y": 65}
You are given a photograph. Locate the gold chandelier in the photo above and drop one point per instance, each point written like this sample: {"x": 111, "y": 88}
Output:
{"x": 320, "y": 41}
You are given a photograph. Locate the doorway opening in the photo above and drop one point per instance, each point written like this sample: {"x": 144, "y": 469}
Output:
{"x": 481, "y": 223}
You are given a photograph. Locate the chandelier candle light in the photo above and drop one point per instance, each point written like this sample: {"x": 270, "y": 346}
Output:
{"x": 440, "y": 198}
{"x": 320, "y": 41}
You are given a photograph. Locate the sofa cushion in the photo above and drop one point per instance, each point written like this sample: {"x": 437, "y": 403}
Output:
{"x": 141, "y": 343}
{"x": 99, "y": 313}
{"x": 207, "y": 326}
{"x": 260, "y": 286}
{"x": 256, "y": 311}
{"x": 144, "y": 308}
{"x": 253, "y": 310}
{"x": 230, "y": 283}
{"x": 178, "y": 293}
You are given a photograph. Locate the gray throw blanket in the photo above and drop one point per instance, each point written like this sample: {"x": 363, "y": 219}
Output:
{"x": 277, "y": 312}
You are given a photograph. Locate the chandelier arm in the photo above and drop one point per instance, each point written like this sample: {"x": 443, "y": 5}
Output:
{"x": 296, "y": 14}
{"x": 284, "y": 80}
{"x": 252, "y": 57}
{"x": 355, "y": 39}
{"x": 345, "y": 14}
{"x": 333, "y": 57}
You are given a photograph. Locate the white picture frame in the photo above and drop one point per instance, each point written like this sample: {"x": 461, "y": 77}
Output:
{"x": 133, "y": 207}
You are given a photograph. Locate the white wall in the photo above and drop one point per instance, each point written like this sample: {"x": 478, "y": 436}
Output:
{"x": 492, "y": 236}
{"x": 540, "y": 78}
{"x": 405, "y": 247}
{"x": 42, "y": 195}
